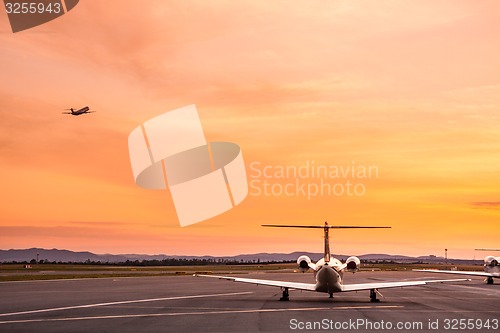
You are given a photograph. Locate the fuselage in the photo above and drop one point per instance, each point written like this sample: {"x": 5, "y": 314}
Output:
{"x": 329, "y": 276}
{"x": 80, "y": 111}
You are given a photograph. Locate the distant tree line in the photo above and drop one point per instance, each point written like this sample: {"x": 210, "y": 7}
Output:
{"x": 153, "y": 262}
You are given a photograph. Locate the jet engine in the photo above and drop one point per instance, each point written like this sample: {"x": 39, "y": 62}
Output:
{"x": 304, "y": 262}
{"x": 490, "y": 261}
{"x": 353, "y": 264}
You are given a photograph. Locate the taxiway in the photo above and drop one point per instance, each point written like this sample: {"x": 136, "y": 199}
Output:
{"x": 196, "y": 304}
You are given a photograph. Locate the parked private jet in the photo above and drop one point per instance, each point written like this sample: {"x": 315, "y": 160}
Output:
{"x": 491, "y": 268}
{"x": 328, "y": 272}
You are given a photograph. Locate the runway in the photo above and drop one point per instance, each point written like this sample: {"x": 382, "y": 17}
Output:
{"x": 196, "y": 304}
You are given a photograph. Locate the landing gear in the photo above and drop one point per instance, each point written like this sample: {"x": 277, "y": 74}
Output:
{"x": 489, "y": 280}
{"x": 331, "y": 295}
{"x": 285, "y": 295}
{"x": 373, "y": 296}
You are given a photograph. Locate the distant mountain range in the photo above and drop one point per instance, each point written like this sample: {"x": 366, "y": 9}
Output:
{"x": 71, "y": 256}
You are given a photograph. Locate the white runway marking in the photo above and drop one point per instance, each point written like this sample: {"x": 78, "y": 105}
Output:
{"x": 203, "y": 313}
{"x": 53, "y": 280}
{"x": 120, "y": 302}
{"x": 483, "y": 290}
{"x": 80, "y": 279}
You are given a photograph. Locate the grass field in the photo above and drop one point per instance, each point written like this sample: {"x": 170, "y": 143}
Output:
{"x": 17, "y": 272}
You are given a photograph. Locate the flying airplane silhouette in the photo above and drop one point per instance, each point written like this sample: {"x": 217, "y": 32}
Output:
{"x": 81, "y": 111}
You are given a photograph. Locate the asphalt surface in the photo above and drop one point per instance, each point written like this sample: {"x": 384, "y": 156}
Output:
{"x": 196, "y": 304}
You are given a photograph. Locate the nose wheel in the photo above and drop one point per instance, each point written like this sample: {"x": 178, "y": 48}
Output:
{"x": 489, "y": 280}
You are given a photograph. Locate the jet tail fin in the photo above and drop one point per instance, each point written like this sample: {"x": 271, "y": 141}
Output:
{"x": 326, "y": 228}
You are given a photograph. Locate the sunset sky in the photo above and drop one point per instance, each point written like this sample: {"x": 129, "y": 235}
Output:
{"x": 409, "y": 88}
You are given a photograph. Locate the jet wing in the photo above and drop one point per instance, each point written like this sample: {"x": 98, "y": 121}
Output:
{"x": 345, "y": 288}
{"x": 282, "y": 284}
{"x": 383, "y": 285}
{"x": 458, "y": 272}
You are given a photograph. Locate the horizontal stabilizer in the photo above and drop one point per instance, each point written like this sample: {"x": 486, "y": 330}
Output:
{"x": 322, "y": 226}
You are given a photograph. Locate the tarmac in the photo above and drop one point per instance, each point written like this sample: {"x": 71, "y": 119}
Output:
{"x": 195, "y": 304}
